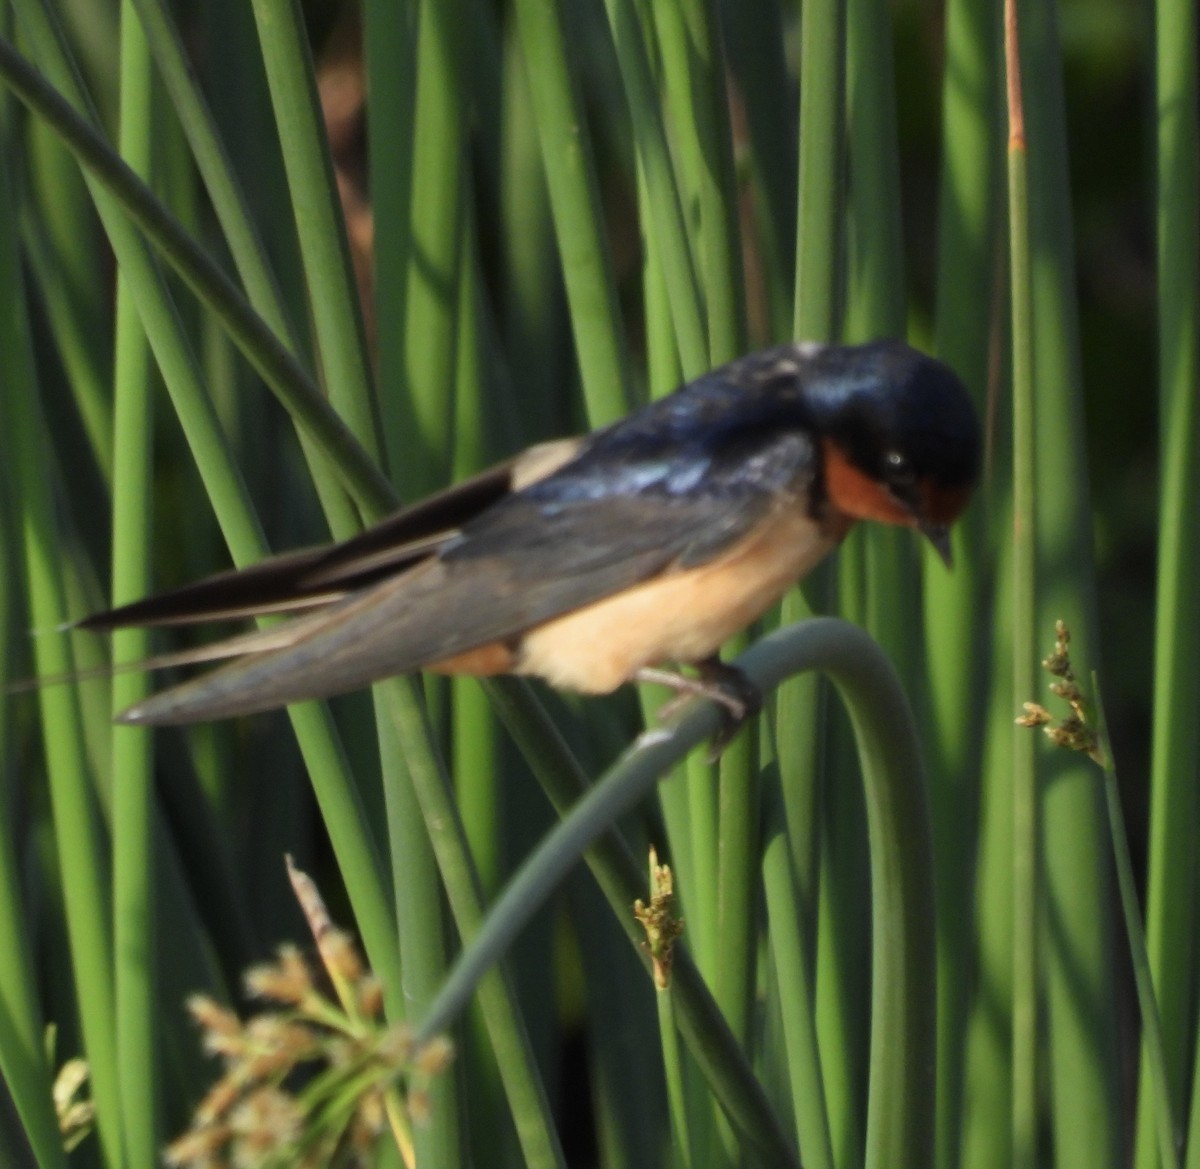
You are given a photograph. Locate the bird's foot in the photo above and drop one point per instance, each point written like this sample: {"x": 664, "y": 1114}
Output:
{"x": 723, "y": 684}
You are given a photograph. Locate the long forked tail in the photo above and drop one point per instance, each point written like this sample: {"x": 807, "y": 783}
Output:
{"x": 242, "y": 645}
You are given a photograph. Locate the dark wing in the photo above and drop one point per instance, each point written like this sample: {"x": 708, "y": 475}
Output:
{"x": 528, "y": 559}
{"x": 317, "y": 577}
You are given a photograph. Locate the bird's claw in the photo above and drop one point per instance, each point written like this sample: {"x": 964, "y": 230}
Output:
{"x": 740, "y": 697}
{"x": 723, "y": 684}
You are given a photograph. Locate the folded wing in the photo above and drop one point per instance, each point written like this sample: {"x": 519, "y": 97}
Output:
{"x": 529, "y": 558}
{"x": 317, "y": 577}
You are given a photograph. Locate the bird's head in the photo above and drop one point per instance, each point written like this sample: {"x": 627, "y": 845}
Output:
{"x": 900, "y": 436}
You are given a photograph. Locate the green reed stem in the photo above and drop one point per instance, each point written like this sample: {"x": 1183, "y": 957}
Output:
{"x": 1025, "y": 794}
{"x": 134, "y": 898}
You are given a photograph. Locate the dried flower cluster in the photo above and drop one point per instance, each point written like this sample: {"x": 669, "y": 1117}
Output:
{"x": 1077, "y": 731}
{"x": 76, "y": 1114}
{"x": 313, "y": 1080}
{"x": 661, "y": 921}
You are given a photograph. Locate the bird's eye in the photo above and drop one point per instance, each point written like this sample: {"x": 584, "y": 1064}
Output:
{"x": 898, "y": 470}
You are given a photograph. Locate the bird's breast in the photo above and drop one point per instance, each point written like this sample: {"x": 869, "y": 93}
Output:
{"x": 679, "y": 616}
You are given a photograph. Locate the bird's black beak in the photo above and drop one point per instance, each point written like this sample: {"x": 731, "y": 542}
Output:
{"x": 939, "y": 536}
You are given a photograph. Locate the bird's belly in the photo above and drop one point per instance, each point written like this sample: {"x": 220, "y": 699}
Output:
{"x": 682, "y": 616}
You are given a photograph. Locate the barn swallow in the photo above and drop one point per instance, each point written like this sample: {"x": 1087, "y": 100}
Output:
{"x": 594, "y": 561}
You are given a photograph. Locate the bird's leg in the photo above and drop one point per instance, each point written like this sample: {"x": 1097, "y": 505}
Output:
{"x": 686, "y": 688}
{"x": 721, "y": 683}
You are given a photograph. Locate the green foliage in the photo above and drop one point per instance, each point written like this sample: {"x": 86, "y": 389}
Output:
{"x": 234, "y": 318}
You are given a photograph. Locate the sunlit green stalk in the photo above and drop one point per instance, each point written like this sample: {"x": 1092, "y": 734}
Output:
{"x": 76, "y": 825}
{"x": 797, "y": 1003}
{"x": 875, "y": 302}
{"x": 422, "y": 396}
{"x": 134, "y": 900}
{"x": 84, "y": 871}
{"x": 1025, "y": 795}
{"x": 816, "y": 316}
{"x": 440, "y": 827}
{"x": 333, "y": 298}
{"x": 1156, "y": 1076}
{"x": 1175, "y": 748}
{"x": 737, "y": 856}
{"x": 817, "y": 310}
{"x": 474, "y": 756}
{"x": 420, "y": 920}
{"x": 390, "y": 52}
{"x": 877, "y": 574}
{"x": 983, "y": 1052}
{"x": 435, "y": 253}
{"x": 723, "y": 268}
{"x": 23, "y": 1059}
{"x": 661, "y": 190}
{"x": 1080, "y": 990}
{"x": 957, "y": 643}
{"x": 681, "y": 1123}
{"x": 578, "y": 219}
